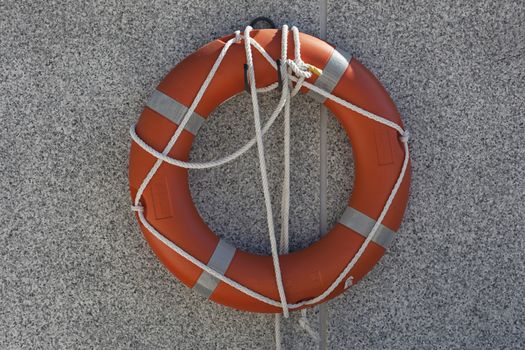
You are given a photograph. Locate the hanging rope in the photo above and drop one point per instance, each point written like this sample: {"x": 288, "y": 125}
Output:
{"x": 291, "y": 71}
{"x": 262, "y": 167}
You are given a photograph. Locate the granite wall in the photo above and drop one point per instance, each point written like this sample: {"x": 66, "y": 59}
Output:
{"x": 75, "y": 270}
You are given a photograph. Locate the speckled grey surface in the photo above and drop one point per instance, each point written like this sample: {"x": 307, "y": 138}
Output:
{"x": 75, "y": 271}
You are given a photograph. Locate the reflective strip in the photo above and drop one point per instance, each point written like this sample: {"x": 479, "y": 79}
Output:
{"x": 332, "y": 73}
{"x": 219, "y": 261}
{"x": 174, "y": 111}
{"x": 362, "y": 224}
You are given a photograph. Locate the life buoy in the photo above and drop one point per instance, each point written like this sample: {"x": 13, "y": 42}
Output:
{"x": 168, "y": 207}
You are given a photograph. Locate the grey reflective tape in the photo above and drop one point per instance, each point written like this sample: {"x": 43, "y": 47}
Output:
{"x": 219, "y": 261}
{"x": 332, "y": 73}
{"x": 174, "y": 111}
{"x": 362, "y": 224}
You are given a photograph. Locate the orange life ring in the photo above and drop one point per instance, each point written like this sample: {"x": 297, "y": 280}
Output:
{"x": 168, "y": 206}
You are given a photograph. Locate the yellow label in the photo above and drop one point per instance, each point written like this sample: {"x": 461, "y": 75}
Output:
{"x": 315, "y": 70}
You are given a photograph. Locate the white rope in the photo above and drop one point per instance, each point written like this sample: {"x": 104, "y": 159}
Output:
{"x": 186, "y": 118}
{"x": 217, "y": 162}
{"x": 264, "y": 174}
{"x": 285, "y": 97}
{"x": 221, "y": 161}
{"x": 285, "y": 196}
{"x": 297, "y": 65}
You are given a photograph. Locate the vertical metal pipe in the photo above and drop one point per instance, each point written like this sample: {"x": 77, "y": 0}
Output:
{"x": 323, "y": 150}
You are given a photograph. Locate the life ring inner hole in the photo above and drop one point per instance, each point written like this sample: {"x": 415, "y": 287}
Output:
{"x": 229, "y": 198}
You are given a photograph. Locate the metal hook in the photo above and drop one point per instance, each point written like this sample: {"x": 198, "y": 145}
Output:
{"x": 262, "y": 19}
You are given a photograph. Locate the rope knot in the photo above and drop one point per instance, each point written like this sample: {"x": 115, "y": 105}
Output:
{"x": 300, "y": 69}
{"x": 238, "y": 36}
{"x": 405, "y": 136}
{"x": 137, "y": 208}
